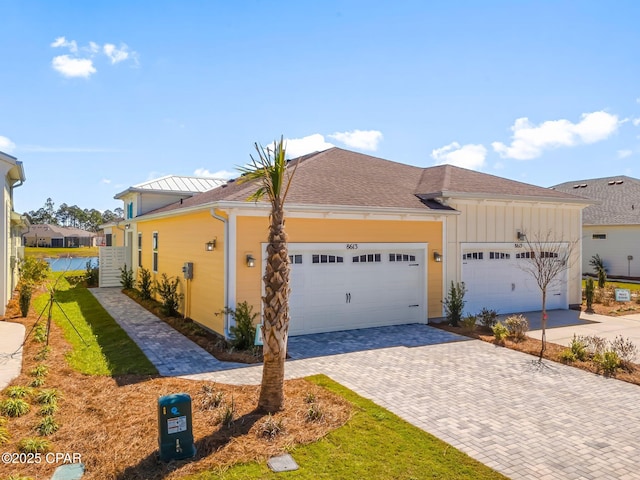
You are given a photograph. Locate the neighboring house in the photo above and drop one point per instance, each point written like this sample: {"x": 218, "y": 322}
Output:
{"x": 10, "y": 225}
{"x": 47, "y": 235}
{"x": 371, "y": 243}
{"x": 147, "y": 196}
{"x": 611, "y": 226}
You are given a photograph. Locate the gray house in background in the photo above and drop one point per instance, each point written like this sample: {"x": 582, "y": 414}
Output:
{"x": 611, "y": 226}
{"x": 55, "y": 236}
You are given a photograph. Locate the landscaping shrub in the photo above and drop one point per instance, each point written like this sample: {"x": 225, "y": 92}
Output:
{"x": 244, "y": 330}
{"x": 469, "y": 323}
{"x": 314, "y": 413}
{"x": 14, "y": 407}
{"x": 488, "y": 317}
{"x": 145, "y": 284}
{"x": 226, "y": 417}
{"x": 18, "y": 391}
{"x": 34, "y": 445}
{"x": 578, "y": 348}
{"x": 625, "y": 349}
{"x": 599, "y": 269}
{"x": 25, "y": 291}
{"x": 589, "y": 292}
{"x": 48, "y": 397}
{"x": 4, "y": 435}
{"x": 167, "y": 289}
{"x": 211, "y": 398}
{"x": 568, "y": 356}
{"x": 271, "y": 427}
{"x": 518, "y": 326}
{"x": 500, "y": 333}
{"x": 47, "y": 426}
{"x": 595, "y": 345}
{"x": 608, "y": 361}
{"x": 454, "y": 303}
{"x": 127, "y": 280}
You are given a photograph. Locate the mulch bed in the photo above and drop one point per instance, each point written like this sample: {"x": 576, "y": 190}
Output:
{"x": 112, "y": 422}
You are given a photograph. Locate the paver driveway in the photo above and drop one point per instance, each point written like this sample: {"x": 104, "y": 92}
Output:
{"x": 555, "y": 422}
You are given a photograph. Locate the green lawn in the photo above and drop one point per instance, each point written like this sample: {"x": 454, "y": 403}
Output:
{"x": 40, "y": 252}
{"x": 110, "y": 351}
{"x": 630, "y": 286}
{"x": 374, "y": 444}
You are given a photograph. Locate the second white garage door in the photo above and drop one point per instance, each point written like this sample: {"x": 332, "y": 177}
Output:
{"x": 365, "y": 285}
{"x": 494, "y": 278}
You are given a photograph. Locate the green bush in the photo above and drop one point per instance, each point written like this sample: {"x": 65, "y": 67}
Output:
{"x": 47, "y": 426}
{"x": 608, "y": 361}
{"x": 18, "y": 391}
{"x": 4, "y": 435}
{"x": 454, "y": 303}
{"x": 14, "y": 407}
{"x": 599, "y": 269}
{"x": 271, "y": 427}
{"x": 34, "y": 445}
{"x": 488, "y": 317}
{"x": 469, "y": 323}
{"x": 589, "y": 292}
{"x": 48, "y": 397}
{"x": 33, "y": 270}
{"x": 25, "y": 291}
{"x": 244, "y": 330}
{"x": 578, "y": 348}
{"x": 167, "y": 289}
{"x": 568, "y": 356}
{"x": 518, "y": 326}
{"x": 127, "y": 279}
{"x": 500, "y": 332}
{"x": 145, "y": 284}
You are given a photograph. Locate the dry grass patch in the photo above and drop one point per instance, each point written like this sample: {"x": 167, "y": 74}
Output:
{"x": 112, "y": 421}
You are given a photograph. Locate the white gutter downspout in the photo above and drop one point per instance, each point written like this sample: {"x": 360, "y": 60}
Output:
{"x": 226, "y": 267}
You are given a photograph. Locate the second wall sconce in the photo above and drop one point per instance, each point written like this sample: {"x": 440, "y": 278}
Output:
{"x": 437, "y": 257}
{"x": 251, "y": 262}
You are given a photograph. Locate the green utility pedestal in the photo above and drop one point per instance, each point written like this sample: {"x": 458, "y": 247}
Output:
{"x": 175, "y": 429}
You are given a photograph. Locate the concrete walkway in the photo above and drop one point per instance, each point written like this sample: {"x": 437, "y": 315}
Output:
{"x": 171, "y": 352}
{"x": 495, "y": 404}
{"x": 11, "y": 338}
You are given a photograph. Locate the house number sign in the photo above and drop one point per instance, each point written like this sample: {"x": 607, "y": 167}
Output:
{"x": 352, "y": 246}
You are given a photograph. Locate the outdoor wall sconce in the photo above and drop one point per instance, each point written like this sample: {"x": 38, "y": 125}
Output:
{"x": 210, "y": 246}
{"x": 251, "y": 262}
{"x": 521, "y": 236}
{"x": 437, "y": 257}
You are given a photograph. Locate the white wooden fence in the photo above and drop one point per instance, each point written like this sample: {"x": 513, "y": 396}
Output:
{"x": 112, "y": 259}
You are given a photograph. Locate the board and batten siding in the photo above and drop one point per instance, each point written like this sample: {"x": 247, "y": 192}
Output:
{"x": 493, "y": 221}
{"x": 620, "y": 242}
{"x": 181, "y": 239}
{"x": 252, "y": 231}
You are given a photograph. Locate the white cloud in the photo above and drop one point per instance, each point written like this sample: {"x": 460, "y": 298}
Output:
{"x": 116, "y": 55}
{"x": 636, "y": 122}
{"x": 73, "y": 67}
{"x": 105, "y": 181}
{"x": 6, "y": 145}
{"x": 224, "y": 174}
{"x": 301, "y": 146}
{"x": 466, "y": 156}
{"x": 61, "y": 42}
{"x": 362, "y": 139}
{"x": 80, "y": 63}
{"x": 624, "y": 153}
{"x": 529, "y": 141}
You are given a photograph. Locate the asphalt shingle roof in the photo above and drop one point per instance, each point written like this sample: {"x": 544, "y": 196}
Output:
{"x": 619, "y": 199}
{"x": 342, "y": 177}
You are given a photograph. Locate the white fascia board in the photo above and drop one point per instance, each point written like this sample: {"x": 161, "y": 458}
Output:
{"x": 453, "y": 196}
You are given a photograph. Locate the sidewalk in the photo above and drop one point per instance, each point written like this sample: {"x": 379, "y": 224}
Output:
{"x": 11, "y": 338}
{"x": 172, "y": 353}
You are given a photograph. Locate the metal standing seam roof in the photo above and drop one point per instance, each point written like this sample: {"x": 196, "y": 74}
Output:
{"x": 618, "y": 199}
{"x": 345, "y": 178}
{"x": 176, "y": 183}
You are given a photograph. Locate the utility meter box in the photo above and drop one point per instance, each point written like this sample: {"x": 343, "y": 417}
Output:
{"x": 175, "y": 429}
{"x": 187, "y": 269}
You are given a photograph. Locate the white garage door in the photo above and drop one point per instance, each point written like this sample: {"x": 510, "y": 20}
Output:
{"x": 334, "y": 288}
{"x": 494, "y": 278}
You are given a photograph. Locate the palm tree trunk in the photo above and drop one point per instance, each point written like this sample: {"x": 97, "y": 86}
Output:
{"x": 276, "y": 315}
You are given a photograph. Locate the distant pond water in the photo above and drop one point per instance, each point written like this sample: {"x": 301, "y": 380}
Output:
{"x": 73, "y": 263}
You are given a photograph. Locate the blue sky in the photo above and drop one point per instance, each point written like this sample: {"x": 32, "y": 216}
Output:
{"x": 98, "y": 96}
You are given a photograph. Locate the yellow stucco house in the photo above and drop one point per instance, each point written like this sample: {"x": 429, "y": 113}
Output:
{"x": 372, "y": 242}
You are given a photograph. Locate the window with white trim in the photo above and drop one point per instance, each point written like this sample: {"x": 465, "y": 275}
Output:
{"x": 322, "y": 258}
{"x": 154, "y": 246}
{"x": 401, "y": 257}
{"x": 499, "y": 256}
{"x": 473, "y": 256}
{"x": 139, "y": 249}
{"x": 368, "y": 258}
{"x": 295, "y": 259}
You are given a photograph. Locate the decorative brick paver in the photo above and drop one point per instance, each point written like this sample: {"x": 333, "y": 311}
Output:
{"x": 495, "y": 404}
{"x": 171, "y": 352}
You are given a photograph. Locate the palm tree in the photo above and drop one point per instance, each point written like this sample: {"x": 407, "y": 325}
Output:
{"x": 273, "y": 180}
{"x": 601, "y": 271}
